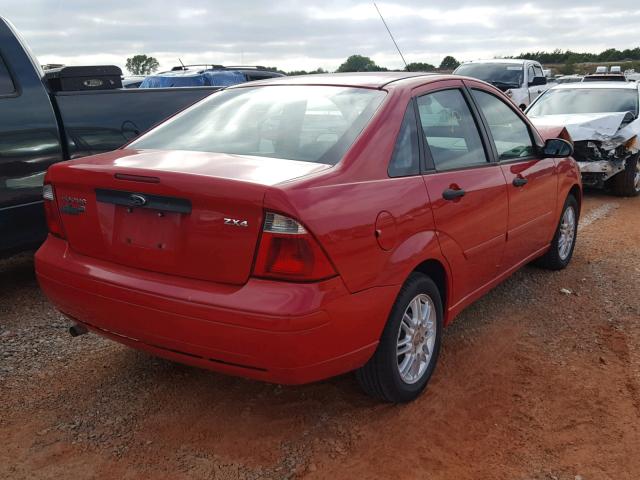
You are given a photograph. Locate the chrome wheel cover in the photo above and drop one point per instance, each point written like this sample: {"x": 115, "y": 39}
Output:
{"x": 416, "y": 338}
{"x": 636, "y": 178}
{"x": 567, "y": 233}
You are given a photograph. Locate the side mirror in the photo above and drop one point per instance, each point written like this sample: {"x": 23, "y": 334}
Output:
{"x": 557, "y": 148}
{"x": 537, "y": 81}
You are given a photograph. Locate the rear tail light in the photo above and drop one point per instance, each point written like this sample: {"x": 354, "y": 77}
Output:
{"x": 54, "y": 222}
{"x": 287, "y": 251}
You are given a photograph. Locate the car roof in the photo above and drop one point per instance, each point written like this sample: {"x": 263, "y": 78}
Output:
{"x": 501, "y": 60}
{"x": 605, "y": 84}
{"x": 355, "y": 79}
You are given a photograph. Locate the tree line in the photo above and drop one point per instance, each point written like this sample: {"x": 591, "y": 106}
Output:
{"x": 144, "y": 65}
{"x": 567, "y": 56}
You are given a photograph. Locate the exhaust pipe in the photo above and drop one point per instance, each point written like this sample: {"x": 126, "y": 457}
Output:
{"x": 77, "y": 330}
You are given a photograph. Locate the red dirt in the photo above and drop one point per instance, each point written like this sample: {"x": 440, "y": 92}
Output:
{"x": 532, "y": 384}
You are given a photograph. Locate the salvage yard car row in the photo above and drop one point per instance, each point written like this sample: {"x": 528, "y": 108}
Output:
{"x": 601, "y": 119}
{"x": 599, "y": 112}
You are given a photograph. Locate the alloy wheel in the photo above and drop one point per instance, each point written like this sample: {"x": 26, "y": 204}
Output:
{"x": 567, "y": 233}
{"x": 416, "y": 338}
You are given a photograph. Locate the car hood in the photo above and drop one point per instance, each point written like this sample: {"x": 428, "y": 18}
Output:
{"x": 611, "y": 129}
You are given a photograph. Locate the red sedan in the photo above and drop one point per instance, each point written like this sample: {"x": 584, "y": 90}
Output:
{"x": 299, "y": 228}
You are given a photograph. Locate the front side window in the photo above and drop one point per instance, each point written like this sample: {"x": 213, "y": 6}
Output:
{"x": 6, "y": 83}
{"x": 510, "y": 133}
{"x": 295, "y": 122}
{"x": 450, "y": 130}
{"x": 406, "y": 159}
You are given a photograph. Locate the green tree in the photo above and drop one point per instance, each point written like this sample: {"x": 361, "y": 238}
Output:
{"x": 142, "y": 65}
{"x": 449, "y": 63}
{"x": 304, "y": 72}
{"x": 420, "y": 67}
{"x": 358, "y": 63}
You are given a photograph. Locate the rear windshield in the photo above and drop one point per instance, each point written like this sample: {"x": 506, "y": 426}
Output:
{"x": 505, "y": 75}
{"x": 307, "y": 123}
{"x": 564, "y": 101}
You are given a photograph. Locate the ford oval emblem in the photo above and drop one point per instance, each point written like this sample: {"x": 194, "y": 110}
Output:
{"x": 137, "y": 200}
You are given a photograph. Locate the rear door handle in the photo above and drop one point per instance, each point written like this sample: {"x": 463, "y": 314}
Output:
{"x": 520, "y": 181}
{"x": 452, "y": 194}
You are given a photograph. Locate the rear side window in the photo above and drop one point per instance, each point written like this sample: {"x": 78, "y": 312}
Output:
{"x": 450, "y": 130}
{"x": 510, "y": 133}
{"x": 6, "y": 83}
{"x": 405, "y": 160}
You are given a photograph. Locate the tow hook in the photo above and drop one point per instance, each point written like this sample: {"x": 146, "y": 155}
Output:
{"x": 77, "y": 330}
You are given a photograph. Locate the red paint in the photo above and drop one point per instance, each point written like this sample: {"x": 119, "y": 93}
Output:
{"x": 385, "y": 230}
{"x": 194, "y": 288}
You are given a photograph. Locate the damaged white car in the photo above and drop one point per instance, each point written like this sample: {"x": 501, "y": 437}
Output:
{"x": 602, "y": 121}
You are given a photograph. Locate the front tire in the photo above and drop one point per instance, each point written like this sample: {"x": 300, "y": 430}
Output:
{"x": 564, "y": 240}
{"x": 409, "y": 347}
{"x": 627, "y": 182}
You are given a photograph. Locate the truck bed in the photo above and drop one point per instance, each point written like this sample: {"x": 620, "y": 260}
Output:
{"x": 103, "y": 120}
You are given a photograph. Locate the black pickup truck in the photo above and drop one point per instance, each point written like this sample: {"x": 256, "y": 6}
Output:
{"x": 41, "y": 124}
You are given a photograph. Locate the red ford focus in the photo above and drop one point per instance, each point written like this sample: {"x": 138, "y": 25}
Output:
{"x": 299, "y": 228}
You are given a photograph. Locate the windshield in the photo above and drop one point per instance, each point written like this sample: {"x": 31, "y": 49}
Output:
{"x": 565, "y": 101}
{"x": 307, "y": 123}
{"x": 499, "y": 74}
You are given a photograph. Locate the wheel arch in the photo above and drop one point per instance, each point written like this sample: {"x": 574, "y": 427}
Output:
{"x": 576, "y": 192}
{"x": 437, "y": 271}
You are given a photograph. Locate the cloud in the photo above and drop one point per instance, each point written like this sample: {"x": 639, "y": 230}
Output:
{"x": 309, "y": 34}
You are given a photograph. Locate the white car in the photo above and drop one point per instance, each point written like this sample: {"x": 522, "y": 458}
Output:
{"x": 521, "y": 80}
{"x": 602, "y": 120}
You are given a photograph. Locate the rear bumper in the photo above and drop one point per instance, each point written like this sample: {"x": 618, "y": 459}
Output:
{"x": 274, "y": 331}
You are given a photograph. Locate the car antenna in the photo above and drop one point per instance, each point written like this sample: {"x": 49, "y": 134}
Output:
{"x": 183, "y": 67}
{"x": 391, "y": 35}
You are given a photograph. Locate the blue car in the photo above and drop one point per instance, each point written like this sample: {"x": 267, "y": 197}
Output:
{"x": 207, "y": 75}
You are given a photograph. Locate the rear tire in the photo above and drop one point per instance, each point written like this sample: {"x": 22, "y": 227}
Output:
{"x": 561, "y": 252}
{"x": 391, "y": 374}
{"x": 627, "y": 182}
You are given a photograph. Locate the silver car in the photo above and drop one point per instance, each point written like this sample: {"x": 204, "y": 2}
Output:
{"x": 602, "y": 120}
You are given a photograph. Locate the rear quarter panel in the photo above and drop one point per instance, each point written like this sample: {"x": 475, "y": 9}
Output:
{"x": 340, "y": 208}
{"x": 343, "y": 219}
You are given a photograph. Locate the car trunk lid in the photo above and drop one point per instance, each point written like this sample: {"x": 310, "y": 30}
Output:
{"x": 191, "y": 214}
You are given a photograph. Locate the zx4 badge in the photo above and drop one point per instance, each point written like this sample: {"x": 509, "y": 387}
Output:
{"x": 235, "y": 222}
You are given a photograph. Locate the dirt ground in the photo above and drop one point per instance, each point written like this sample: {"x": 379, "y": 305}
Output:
{"x": 533, "y": 383}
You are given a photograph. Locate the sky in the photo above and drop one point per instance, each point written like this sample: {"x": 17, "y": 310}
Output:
{"x": 294, "y": 35}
